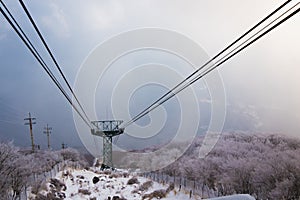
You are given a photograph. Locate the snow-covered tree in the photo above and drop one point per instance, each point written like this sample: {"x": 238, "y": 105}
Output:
{"x": 8, "y": 155}
{"x": 267, "y": 167}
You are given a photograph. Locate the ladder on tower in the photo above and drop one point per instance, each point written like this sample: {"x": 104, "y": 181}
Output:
{"x": 107, "y": 130}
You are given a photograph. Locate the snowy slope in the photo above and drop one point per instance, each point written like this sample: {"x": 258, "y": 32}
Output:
{"x": 94, "y": 184}
{"x": 78, "y": 184}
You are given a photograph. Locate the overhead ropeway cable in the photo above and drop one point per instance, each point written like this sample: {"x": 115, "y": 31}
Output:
{"x": 16, "y": 27}
{"x": 52, "y": 56}
{"x": 178, "y": 88}
{"x": 209, "y": 61}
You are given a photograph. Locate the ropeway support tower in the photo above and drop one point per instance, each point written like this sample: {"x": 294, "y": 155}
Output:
{"x": 107, "y": 130}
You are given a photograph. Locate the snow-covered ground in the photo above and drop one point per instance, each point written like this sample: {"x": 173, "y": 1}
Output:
{"x": 81, "y": 184}
{"x": 95, "y": 184}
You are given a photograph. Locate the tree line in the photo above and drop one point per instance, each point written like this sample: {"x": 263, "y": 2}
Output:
{"x": 21, "y": 169}
{"x": 266, "y": 167}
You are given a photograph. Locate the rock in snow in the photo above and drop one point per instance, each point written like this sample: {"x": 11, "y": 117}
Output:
{"x": 96, "y": 179}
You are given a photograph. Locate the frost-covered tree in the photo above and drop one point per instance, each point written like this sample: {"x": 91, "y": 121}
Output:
{"x": 267, "y": 167}
{"x": 21, "y": 169}
{"x": 20, "y": 177}
{"x": 69, "y": 154}
{"x": 8, "y": 155}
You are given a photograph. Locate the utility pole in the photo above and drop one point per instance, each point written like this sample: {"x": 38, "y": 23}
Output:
{"x": 63, "y": 145}
{"x": 47, "y": 132}
{"x": 31, "y": 121}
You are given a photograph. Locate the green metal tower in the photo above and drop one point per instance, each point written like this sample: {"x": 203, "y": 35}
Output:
{"x": 107, "y": 130}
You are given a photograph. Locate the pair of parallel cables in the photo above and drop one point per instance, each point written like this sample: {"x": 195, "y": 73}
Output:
{"x": 238, "y": 45}
{"x": 220, "y": 58}
{"x": 22, "y": 35}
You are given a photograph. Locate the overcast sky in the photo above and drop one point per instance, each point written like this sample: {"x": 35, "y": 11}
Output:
{"x": 262, "y": 83}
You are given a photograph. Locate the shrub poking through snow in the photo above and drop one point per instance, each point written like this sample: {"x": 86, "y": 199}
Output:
{"x": 84, "y": 191}
{"x": 125, "y": 174}
{"x": 170, "y": 188}
{"x": 145, "y": 186}
{"x": 57, "y": 184}
{"x": 132, "y": 181}
{"x": 80, "y": 176}
{"x": 114, "y": 176}
{"x": 61, "y": 195}
{"x": 107, "y": 172}
{"x": 158, "y": 194}
{"x": 135, "y": 191}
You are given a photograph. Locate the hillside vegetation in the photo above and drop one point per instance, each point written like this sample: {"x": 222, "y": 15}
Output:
{"x": 20, "y": 169}
{"x": 267, "y": 167}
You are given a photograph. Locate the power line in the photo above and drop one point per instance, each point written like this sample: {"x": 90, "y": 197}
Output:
{"x": 205, "y": 64}
{"x": 10, "y": 122}
{"x": 172, "y": 94}
{"x": 42, "y": 63}
{"x": 51, "y": 55}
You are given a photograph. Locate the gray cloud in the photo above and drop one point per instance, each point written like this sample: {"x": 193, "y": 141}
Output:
{"x": 262, "y": 78}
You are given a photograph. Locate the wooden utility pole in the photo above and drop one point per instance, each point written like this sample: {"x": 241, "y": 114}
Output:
{"x": 30, "y": 123}
{"x": 63, "y": 145}
{"x": 47, "y": 132}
